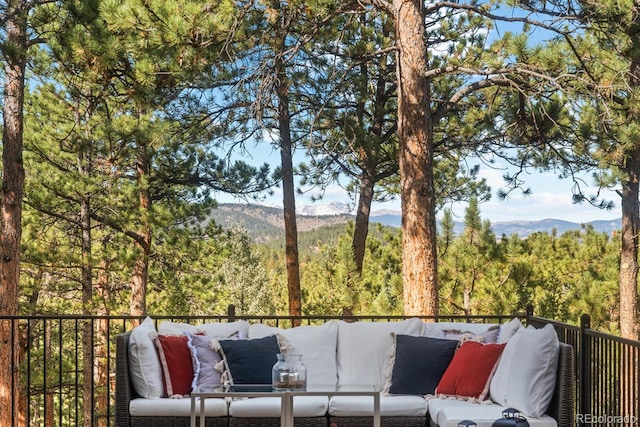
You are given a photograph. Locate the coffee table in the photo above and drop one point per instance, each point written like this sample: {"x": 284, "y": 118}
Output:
{"x": 286, "y": 398}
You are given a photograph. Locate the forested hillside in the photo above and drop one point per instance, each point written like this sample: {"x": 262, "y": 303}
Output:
{"x": 264, "y": 223}
{"x": 562, "y": 274}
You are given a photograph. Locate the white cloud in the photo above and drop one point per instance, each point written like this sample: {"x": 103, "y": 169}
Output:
{"x": 543, "y": 205}
{"x": 550, "y": 197}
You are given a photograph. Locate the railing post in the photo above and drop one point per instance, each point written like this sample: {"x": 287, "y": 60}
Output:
{"x": 231, "y": 313}
{"x": 529, "y": 312}
{"x": 584, "y": 367}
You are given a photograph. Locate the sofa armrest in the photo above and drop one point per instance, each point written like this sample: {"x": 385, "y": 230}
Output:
{"x": 562, "y": 406}
{"x": 124, "y": 389}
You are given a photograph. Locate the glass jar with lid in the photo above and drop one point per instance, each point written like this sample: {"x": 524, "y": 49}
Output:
{"x": 289, "y": 373}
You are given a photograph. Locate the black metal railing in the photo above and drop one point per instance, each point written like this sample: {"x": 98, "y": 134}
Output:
{"x": 67, "y": 363}
{"x": 608, "y": 373}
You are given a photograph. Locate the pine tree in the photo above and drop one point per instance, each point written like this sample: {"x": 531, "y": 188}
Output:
{"x": 16, "y": 32}
{"x": 608, "y": 53}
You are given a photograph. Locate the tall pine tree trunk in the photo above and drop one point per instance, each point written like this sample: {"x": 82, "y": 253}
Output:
{"x": 415, "y": 133}
{"x": 85, "y": 170}
{"x": 629, "y": 250}
{"x": 363, "y": 213}
{"x": 87, "y": 299}
{"x": 49, "y": 392}
{"x": 11, "y": 196}
{"x": 629, "y": 327}
{"x": 629, "y": 264}
{"x": 286, "y": 157}
{"x": 101, "y": 357}
{"x": 142, "y": 239}
{"x": 101, "y": 375}
{"x": 370, "y": 157}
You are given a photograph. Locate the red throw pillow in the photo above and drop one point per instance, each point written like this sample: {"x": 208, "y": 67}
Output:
{"x": 175, "y": 359}
{"x": 470, "y": 371}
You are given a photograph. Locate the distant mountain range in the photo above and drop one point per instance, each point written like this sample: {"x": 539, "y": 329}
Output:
{"x": 266, "y": 223}
{"x": 521, "y": 228}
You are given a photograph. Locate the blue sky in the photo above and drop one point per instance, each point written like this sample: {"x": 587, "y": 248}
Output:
{"x": 550, "y": 198}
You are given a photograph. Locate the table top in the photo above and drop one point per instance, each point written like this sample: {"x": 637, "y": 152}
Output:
{"x": 261, "y": 390}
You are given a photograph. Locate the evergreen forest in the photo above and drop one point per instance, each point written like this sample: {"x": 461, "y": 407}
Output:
{"x": 561, "y": 275}
{"x": 123, "y": 120}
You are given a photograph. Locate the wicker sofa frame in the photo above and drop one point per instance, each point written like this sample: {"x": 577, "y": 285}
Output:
{"x": 562, "y": 407}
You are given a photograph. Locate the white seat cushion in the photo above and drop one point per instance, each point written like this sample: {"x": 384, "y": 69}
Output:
{"x": 448, "y": 413}
{"x": 437, "y": 404}
{"x": 264, "y": 407}
{"x": 175, "y": 407}
{"x": 390, "y": 406}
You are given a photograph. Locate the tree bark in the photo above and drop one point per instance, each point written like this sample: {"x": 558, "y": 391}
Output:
{"x": 370, "y": 155}
{"x": 288, "y": 188}
{"x": 629, "y": 251}
{"x": 49, "y": 392}
{"x": 361, "y": 230}
{"x": 140, "y": 272}
{"x": 289, "y": 204}
{"x": 101, "y": 374}
{"x": 87, "y": 299}
{"x": 11, "y": 197}
{"x": 629, "y": 327}
{"x": 415, "y": 133}
{"x": 85, "y": 169}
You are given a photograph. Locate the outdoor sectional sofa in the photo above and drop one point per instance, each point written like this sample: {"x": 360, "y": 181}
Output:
{"x": 429, "y": 374}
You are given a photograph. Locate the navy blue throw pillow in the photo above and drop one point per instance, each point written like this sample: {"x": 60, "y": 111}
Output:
{"x": 419, "y": 364}
{"x": 250, "y": 361}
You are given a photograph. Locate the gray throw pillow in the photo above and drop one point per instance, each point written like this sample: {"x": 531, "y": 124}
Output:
{"x": 204, "y": 357}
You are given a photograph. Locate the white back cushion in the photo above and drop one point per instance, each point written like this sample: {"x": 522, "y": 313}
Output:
{"x": 144, "y": 365}
{"x": 213, "y": 329}
{"x": 509, "y": 329}
{"x": 526, "y": 374}
{"x": 364, "y": 349}
{"x": 317, "y": 344}
{"x": 437, "y": 329}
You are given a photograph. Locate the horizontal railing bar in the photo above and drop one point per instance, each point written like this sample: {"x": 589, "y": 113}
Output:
{"x": 378, "y": 317}
{"x": 257, "y": 317}
{"x": 614, "y": 338}
{"x": 542, "y": 320}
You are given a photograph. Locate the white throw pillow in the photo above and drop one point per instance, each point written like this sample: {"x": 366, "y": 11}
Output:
{"x": 525, "y": 378}
{"x": 364, "y": 349}
{"x": 212, "y": 329}
{"x": 317, "y": 344}
{"x": 507, "y": 330}
{"x": 144, "y": 365}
